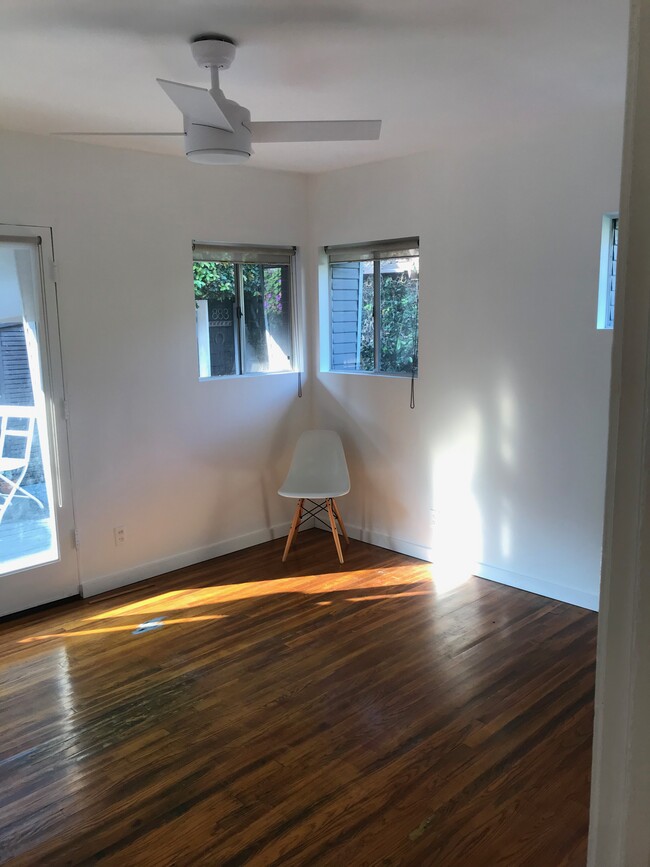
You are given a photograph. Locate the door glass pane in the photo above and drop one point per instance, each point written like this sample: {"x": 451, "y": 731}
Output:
{"x": 267, "y": 317}
{"x": 398, "y": 299}
{"x": 27, "y": 526}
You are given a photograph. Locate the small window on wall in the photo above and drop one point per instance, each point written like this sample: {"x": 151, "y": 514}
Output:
{"x": 607, "y": 281}
{"x": 374, "y": 307}
{"x": 243, "y": 298}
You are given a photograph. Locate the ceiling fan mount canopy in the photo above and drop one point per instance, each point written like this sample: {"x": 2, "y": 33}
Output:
{"x": 213, "y": 52}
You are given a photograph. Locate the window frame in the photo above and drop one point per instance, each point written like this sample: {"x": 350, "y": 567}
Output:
{"x": 372, "y": 251}
{"x": 251, "y": 254}
{"x": 606, "y": 310}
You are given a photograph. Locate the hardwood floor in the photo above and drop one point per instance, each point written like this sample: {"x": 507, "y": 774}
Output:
{"x": 302, "y": 713}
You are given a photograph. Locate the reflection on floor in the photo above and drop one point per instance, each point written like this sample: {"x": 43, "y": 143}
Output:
{"x": 245, "y": 711}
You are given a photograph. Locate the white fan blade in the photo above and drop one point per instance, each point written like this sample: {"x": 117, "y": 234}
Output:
{"x": 315, "y": 130}
{"x": 79, "y": 133}
{"x": 195, "y": 103}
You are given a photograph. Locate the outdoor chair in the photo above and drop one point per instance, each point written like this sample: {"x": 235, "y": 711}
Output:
{"x": 14, "y": 466}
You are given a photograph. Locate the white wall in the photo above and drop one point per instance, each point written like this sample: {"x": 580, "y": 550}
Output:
{"x": 181, "y": 464}
{"x": 508, "y": 439}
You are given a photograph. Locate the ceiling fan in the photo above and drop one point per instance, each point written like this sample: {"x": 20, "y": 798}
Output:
{"x": 218, "y": 131}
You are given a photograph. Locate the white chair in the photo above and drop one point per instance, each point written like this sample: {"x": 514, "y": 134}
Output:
{"x": 13, "y": 467}
{"x": 318, "y": 473}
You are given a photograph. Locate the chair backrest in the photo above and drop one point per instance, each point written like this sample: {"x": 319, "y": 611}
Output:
{"x": 15, "y": 454}
{"x": 318, "y": 469}
{"x": 12, "y": 429}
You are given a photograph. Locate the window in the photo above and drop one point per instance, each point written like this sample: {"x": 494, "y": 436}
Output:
{"x": 607, "y": 282}
{"x": 374, "y": 307}
{"x": 243, "y": 298}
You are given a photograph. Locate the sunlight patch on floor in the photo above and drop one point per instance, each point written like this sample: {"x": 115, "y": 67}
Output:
{"x": 179, "y": 600}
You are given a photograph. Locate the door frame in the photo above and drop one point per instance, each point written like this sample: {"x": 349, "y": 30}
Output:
{"x": 63, "y": 580}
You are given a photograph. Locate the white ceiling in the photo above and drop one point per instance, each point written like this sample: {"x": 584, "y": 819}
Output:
{"x": 433, "y": 71}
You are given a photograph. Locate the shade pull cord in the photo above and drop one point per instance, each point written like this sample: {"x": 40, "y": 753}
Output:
{"x": 299, "y": 384}
{"x": 414, "y": 367}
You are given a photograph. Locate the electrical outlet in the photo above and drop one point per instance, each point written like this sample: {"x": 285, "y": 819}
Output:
{"x": 433, "y": 517}
{"x": 119, "y": 535}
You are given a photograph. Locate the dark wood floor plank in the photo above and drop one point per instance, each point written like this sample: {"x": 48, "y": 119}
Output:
{"x": 297, "y": 714}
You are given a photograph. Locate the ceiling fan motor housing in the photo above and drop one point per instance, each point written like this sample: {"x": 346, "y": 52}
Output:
{"x": 211, "y": 146}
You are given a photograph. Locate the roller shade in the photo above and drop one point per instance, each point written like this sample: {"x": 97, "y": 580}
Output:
{"x": 400, "y": 248}
{"x": 242, "y": 254}
{"x": 33, "y": 240}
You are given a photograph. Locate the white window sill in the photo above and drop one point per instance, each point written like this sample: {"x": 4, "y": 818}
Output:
{"x": 372, "y": 374}
{"x": 262, "y": 374}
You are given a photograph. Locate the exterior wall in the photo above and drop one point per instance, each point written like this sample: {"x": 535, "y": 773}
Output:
{"x": 15, "y": 380}
{"x": 346, "y": 311}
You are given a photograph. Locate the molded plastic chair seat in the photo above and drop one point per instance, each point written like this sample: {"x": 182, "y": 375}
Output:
{"x": 318, "y": 471}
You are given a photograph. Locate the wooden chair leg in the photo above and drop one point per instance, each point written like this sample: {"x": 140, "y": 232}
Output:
{"x": 335, "y": 532}
{"x": 297, "y": 515}
{"x": 340, "y": 520}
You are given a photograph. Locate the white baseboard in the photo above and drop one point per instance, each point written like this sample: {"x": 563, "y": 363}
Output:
{"x": 102, "y": 583}
{"x": 411, "y": 549}
{"x": 539, "y": 586}
{"x": 561, "y": 593}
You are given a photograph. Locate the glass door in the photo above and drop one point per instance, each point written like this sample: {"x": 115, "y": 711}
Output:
{"x": 38, "y": 562}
